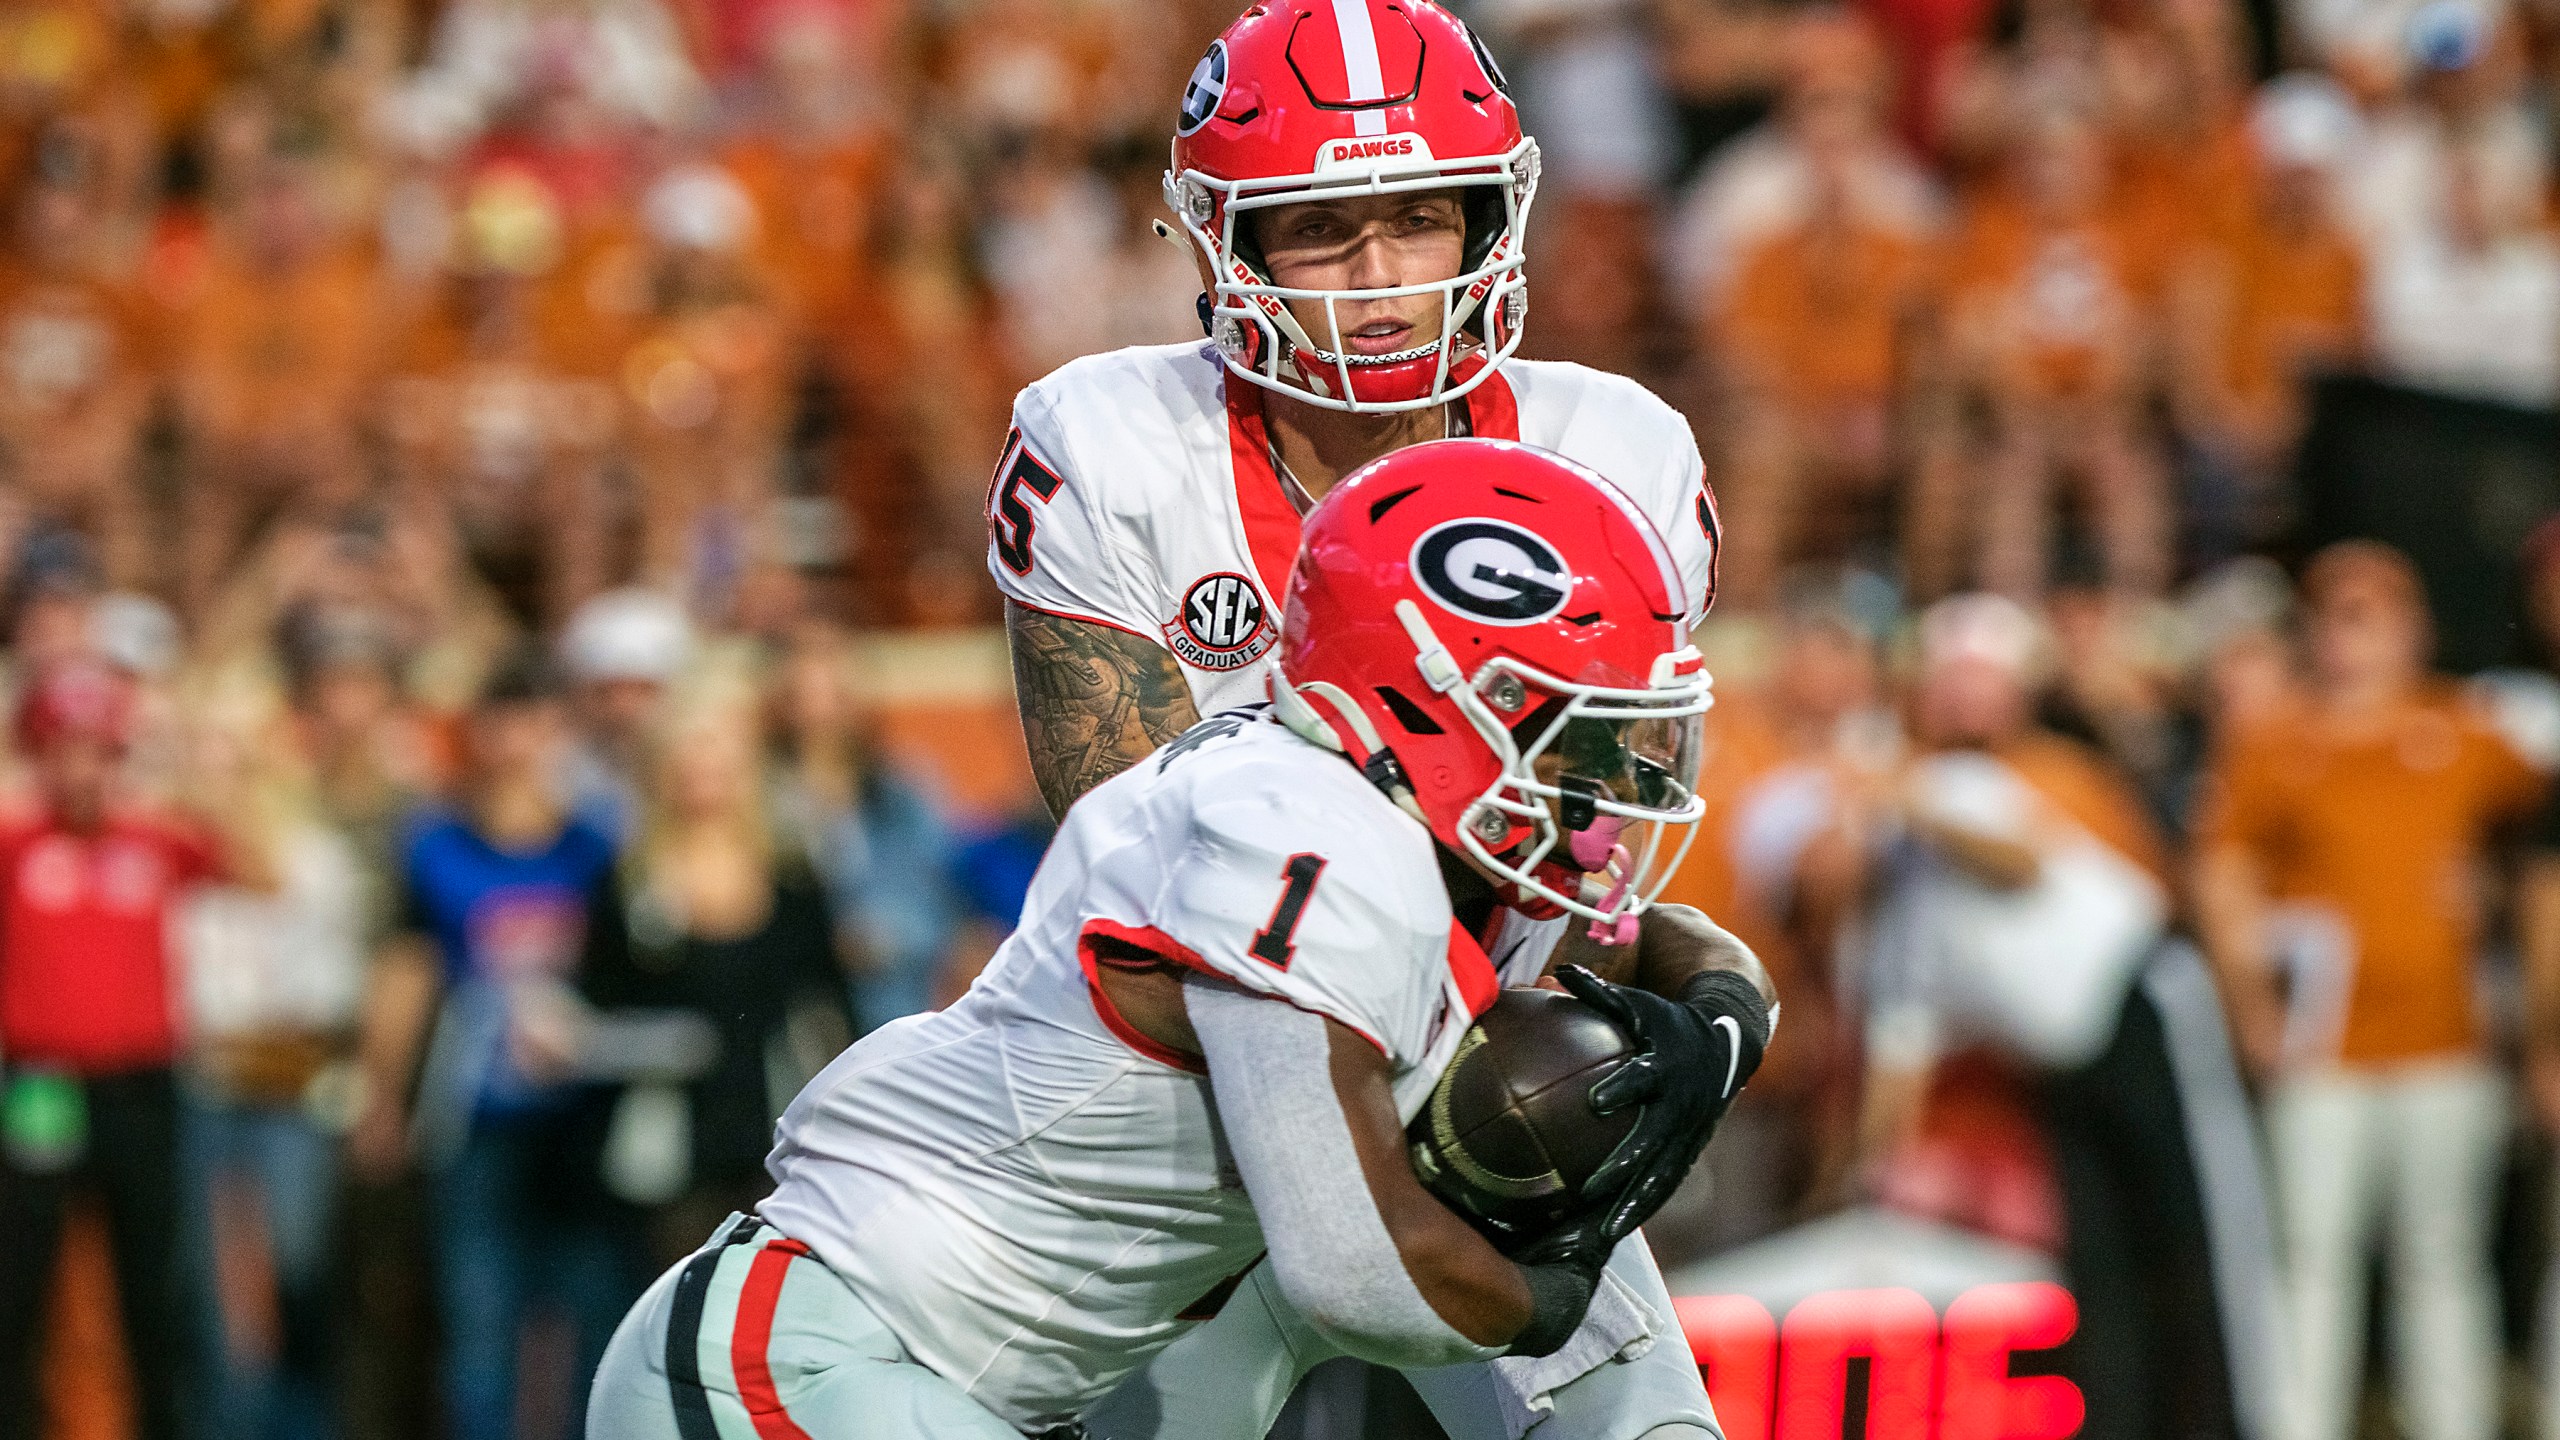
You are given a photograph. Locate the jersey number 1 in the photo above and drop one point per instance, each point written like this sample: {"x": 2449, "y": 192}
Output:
{"x": 1276, "y": 942}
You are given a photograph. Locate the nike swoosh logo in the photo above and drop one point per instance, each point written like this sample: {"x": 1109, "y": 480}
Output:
{"x": 1733, "y": 1053}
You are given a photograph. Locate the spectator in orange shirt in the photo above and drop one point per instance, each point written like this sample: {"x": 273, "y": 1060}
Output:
{"x": 815, "y": 165}
{"x": 928, "y": 392}
{"x": 1812, "y": 341}
{"x": 705, "y": 387}
{"x": 2256, "y": 311}
{"x": 2538, "y": 941}
{"x": 2337, "y": 893}
{"x": 2051, "y": 322}
{"x": 488, "y": 424}
{"x": 2180, "y": 134}
{"x": 278, "y": 367}
{"x": 73, "y": 389}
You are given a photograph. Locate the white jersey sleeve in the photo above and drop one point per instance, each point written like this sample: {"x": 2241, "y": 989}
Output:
{"x": 1049, "y": 540}
{"x": 1275, "y": 894}
{"x": 1697, "y": 538}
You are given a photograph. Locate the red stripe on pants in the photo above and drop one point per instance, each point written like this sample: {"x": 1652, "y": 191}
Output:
{"x": 753, "y": 1332}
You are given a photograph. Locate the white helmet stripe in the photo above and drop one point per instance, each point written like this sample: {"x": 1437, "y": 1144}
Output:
{"x": 1360, "y": 64}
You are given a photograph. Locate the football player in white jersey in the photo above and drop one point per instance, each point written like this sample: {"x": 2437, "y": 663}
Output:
{"x": 1241, "y": 969}
{"x": 1355, "y": 184}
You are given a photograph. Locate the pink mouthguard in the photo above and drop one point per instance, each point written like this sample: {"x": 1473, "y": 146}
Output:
{"x": 1622, "y": 930}
{"x": 1596, "y": 847}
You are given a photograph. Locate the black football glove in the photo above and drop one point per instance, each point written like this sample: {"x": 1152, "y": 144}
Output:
{"x": 1562, "y": 1270}
{"x": 1692, "y": 1056}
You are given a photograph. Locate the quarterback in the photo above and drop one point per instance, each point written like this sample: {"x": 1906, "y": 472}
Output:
{"x": 1241, "y": 969}
{"x": 1354, "y": 185}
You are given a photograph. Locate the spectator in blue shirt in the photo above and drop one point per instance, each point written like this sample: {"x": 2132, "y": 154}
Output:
{"x": 471, "y": 997}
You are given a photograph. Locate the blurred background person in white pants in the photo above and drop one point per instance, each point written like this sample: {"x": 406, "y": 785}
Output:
{"x": 2339, "y": 870}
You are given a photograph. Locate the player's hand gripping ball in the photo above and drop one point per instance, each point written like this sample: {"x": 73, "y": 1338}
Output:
{"x": 1510, "y": 1138}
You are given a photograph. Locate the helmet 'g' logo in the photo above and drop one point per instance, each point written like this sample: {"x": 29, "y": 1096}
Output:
{"x": 1492, "y": 571}
{"x": 1208, "y": 86}
{"x": 1223, "y": 624}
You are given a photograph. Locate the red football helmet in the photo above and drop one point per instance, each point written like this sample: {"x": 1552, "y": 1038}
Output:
{"x": 1309, "y": 98}
{"x": 1494, "y": 635}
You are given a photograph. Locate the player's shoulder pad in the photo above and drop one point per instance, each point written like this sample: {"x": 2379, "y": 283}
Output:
{"x": 1258, "y": 807}
{"x": 1100, "y": 447}
{"x": 1562, "y": 401}
{"x": 1119, "y": 419}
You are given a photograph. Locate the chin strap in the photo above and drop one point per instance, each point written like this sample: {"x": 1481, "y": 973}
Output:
{"x": 1439, "y": 668}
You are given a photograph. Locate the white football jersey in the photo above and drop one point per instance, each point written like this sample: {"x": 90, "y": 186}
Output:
{"x": 1138, "y": 491}
{"x": 1031, "y": 1194}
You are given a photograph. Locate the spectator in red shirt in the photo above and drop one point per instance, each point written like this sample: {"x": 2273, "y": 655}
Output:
{"x": 88, "y": 1037}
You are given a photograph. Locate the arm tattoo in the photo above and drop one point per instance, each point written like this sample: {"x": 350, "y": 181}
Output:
{"x": 1094, "y": 700}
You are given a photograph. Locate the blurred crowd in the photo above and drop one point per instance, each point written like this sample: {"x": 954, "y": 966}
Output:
{"x": 360, "y": 1034}
{"x": 448, "y": 446}
{"x": 2210, "y": 944}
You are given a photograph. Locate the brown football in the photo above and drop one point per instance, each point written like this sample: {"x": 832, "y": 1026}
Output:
{"x": 1508, "y": 1136}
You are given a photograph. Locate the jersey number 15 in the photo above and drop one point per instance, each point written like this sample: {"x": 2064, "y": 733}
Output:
{"x": 1010, "y": 512}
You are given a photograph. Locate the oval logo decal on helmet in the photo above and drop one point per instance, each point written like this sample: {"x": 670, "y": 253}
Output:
{"x": 1208, "y": 86}
{"x": 1492, "y": 571}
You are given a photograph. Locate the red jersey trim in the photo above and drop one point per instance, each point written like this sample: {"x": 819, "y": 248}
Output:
{"x": 1173, "y": 952}
{"x": 1711, "y": 522}
{"x": 753, "y": 1335}
{"x": 1270, "y": 521}
{"x": 1155, "y": 640}
{"x": 1470, "y": 967}
{"x": 1157, "y": 943}
{"x": 1493, "y": 412}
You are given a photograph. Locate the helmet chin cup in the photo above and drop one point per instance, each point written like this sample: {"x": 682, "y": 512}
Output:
{"x": 1408, "y": 376}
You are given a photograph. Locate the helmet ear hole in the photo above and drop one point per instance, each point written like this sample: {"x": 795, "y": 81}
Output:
{"x": 1409, "y": 715}
{"x": 1482, "y": 206}
{"x": 1526, "y": 730}
{"x": 1248, "y": 247}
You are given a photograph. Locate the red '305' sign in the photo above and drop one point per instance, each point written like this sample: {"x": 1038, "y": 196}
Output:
{"x": 1927, "y": 1379}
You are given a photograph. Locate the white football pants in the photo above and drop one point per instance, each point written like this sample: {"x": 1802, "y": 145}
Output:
{"x": 2414, "y": 1152}
{"x": 756, "y": 1340}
